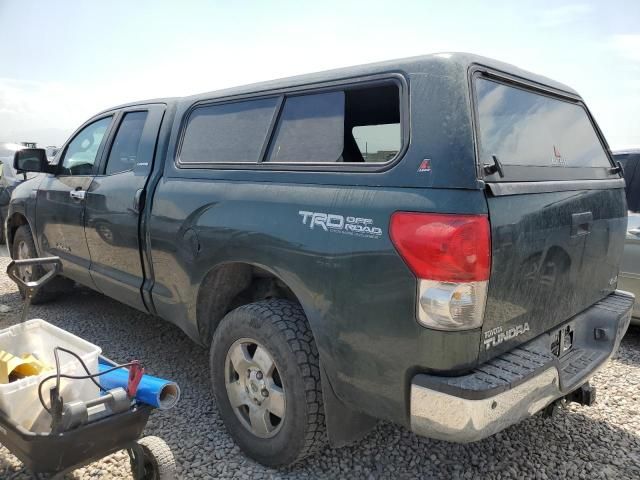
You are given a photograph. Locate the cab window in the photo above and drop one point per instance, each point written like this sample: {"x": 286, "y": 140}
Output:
{"x": 356, "y": 125}
{"x": 80, "y": 155}
{"x": 124, "y": 151}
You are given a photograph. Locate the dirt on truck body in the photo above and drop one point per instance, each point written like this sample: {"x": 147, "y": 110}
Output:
{"x": 433, "y": 241}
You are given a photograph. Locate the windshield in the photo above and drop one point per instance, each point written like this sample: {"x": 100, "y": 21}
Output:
{"x": 523, "y": 128}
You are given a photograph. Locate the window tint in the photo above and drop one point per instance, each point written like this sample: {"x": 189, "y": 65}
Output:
{"x": 124, "y": 151}
{"x": 359, "y": 124}
{"x": 529, "y": 129}
{"x": 81, "y": 153}
{"x": 310, "y": 129}
{"x": 227, "y": 133}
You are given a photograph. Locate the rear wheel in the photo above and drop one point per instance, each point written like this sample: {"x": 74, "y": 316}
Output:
{"x": 24, "y": 247}
{"x": 266, "y": 380}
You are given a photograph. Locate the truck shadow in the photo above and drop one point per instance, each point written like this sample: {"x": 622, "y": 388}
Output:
{"x": 570, "y": 445}
{"x": 574, "y": 443}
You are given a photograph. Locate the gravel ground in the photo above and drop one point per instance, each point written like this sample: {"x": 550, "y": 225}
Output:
{"x": 602, "y": 441}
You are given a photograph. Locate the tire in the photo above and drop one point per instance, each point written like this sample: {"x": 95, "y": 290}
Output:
{"x": 159, "y": 462}
{"x": 293, "y": 426}
{"x": 24, "y": 247}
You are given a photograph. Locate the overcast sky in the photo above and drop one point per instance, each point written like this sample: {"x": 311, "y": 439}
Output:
{"x": 61, "y": 62}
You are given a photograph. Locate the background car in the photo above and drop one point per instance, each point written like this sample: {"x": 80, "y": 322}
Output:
{"x": 9, "y": 179}
{"x": 629, "y": 278}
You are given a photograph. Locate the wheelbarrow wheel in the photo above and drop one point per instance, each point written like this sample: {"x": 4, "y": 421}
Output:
{"x": 159, "y": 463}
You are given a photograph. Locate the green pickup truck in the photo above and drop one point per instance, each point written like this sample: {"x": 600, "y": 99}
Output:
{"x": 432, "y": 241}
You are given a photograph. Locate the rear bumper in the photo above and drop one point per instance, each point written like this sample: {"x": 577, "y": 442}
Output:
{"x": 519, "y": 383}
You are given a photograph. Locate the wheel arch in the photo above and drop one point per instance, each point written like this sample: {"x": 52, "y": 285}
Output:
{"x": 15, "y": 221}
{"x": 240, "y": 283}
{"x": 231, "y": 284}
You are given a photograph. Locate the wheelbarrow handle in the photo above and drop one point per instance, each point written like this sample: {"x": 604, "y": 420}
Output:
{"x": 14, "y": 265}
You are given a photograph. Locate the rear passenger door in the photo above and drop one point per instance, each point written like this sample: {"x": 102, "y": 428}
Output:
{"x": 115, "y": 200}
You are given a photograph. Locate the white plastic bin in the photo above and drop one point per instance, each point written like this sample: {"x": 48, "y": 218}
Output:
{"x": 19, "y": 399}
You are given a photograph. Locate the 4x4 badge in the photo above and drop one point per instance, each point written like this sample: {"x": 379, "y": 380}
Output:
{"x": 425, "y": 166}
{"x": 557, "y": 159}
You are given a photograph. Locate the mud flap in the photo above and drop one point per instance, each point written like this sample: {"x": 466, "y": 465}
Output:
{"x": 344, "y": 425}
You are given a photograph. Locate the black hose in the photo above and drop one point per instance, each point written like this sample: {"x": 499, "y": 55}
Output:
{"x": 59, "y": 375}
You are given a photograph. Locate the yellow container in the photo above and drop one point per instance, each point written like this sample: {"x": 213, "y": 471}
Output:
{"x": 14, "y": 368}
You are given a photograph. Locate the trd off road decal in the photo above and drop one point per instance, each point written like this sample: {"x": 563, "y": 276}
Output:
{"x": 496, "y": 336}
{"x": 330, "y": 222}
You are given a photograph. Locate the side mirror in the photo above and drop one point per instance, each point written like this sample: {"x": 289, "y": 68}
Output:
{"x": 31, "y": 160}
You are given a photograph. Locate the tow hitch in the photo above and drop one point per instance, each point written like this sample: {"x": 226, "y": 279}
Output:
{"x": 584, "y": 395}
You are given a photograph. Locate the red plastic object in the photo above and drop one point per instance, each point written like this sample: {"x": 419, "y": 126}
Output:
{"x": 135, "y": 375}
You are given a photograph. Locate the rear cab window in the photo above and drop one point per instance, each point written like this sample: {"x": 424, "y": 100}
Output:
{"x": 357, "y": 124}
{"x": 535, "y": 136}
{"x": 124, "y": 150}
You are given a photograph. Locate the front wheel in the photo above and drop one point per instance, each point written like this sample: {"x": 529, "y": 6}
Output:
{"x": 266, "y": 380}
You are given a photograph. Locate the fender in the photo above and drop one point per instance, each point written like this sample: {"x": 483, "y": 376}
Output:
{"x": 22, "y": 208}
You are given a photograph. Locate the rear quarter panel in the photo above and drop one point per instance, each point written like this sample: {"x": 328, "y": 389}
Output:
{"x": 357, "y": 292}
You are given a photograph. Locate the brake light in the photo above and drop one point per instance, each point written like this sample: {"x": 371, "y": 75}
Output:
{"x": 444, "y": 247}
{"x": 451, "y": 256}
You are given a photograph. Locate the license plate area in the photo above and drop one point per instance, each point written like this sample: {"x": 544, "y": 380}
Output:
{"x": 562, "y": 341}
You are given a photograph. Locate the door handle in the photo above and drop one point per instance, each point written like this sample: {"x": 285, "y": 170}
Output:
{"x": 138, "y": 201}
{"x": 77, "y": 194}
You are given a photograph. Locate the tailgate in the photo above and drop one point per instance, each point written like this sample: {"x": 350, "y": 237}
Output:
{"x": 554, "y": 255}
{"x": 557, "y": 212}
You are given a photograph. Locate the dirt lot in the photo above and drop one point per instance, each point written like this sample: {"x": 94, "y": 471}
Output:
{"x": 598, "y": 442}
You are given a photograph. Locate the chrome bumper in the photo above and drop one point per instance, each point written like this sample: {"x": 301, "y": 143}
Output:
{"x": 446, "y": 417}
{"x": 521, "y": 382}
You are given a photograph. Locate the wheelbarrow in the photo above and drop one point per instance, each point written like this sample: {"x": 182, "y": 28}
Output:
{"x": 71, "y": 445}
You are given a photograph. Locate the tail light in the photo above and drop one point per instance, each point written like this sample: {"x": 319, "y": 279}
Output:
{"x": 451, "y": 257}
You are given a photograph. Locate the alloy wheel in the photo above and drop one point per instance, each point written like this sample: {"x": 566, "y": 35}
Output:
{"x": 26, "y": 273}
{"x": 254, "y": 388}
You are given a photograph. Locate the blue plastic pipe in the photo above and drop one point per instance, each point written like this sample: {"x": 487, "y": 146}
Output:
{"x": 154, "y": 391}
